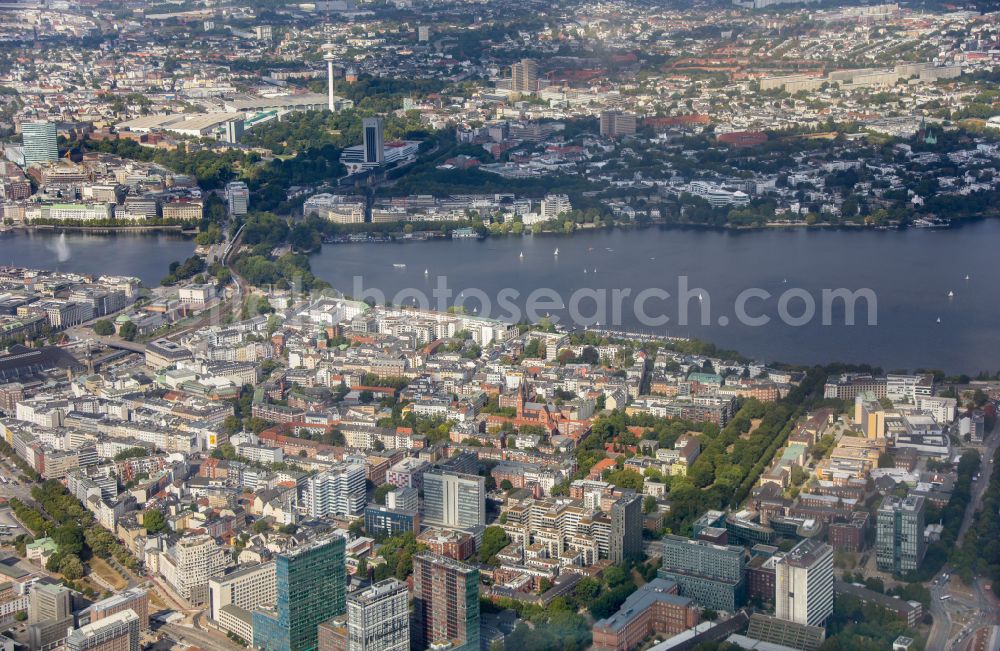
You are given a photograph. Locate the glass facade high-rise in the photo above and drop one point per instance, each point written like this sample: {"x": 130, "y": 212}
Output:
{"x": 454, "y": 499}
{"x": 311, "y": 584}
{"x": 374, "y": 144}
{"x": 712, "y": 575}
{"x": 899, "y": 534}
{"x": 626, "y": 529}
{"x": 40, "y": 142}
{"x": 445, "y": 603}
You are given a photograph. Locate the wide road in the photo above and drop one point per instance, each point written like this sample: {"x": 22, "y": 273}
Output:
{"x": 981, "y": 608}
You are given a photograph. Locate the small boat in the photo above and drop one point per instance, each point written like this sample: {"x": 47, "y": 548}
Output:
{"x": 966, "y": 276}
{"x": 556, "y": 252}
{"x": 700, "y": 297}
{"x": 595, "y": 270}
{"x": 399, "y": 265}
{"x": 584, "y": 271}
{"x": 426, "y": 272}
{"x": 784, "y": 281}
{"x": 939, "y": 319}
{"x": 951, "y": 294}
{"x": 521, "y": 255}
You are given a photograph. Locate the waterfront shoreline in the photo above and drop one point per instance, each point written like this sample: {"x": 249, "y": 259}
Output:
{"x": 102, "y": 230}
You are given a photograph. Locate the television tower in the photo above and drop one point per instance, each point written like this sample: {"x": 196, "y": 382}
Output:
{"x": 329, "y": 57}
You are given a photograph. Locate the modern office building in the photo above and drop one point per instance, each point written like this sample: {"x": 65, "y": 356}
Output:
{"x": 626, "y": 529}
{"x": 899, "y": 534}
{"x": 381, "y": 520}
{"x": 118, "y": 632}
{"x": 339, "y": 490}
{"x": 454, "y": 499}
{"x": 445, "y": 604}
{"x": 235, "y": 595}
{"x": 712, "y": 575}
{"x": 403, "y": 499}
{"x": 803, "y": 583}
{"x": 524, "y": 76}
{"x": 617, "y": 123}
{"x": 50, "y": 615}
{"x": 134, "y": 599}
{"x": 310, "y": 586}
{"x": 238, "y": 196}
{"x": 40, "y": 142}
{"x": 378, "y": 619}
{"x": 374, "y": 140}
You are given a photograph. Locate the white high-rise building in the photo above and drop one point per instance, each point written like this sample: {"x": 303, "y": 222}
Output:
{"x": 238, "y": 195}
{"x": 378, "y": 618}
{"x": 454, "y": 499}
{"x": 554, "y": 205}
{"x": 190, "y": 563}
{"x": 803, "y": 584}
{"x": 337, "y": 491}
{"x": 40, "y": 142}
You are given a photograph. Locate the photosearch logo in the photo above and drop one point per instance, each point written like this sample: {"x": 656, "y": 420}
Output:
{"x": 650, "y": 307}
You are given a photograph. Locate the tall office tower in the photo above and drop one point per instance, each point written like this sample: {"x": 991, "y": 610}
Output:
{"x": 311, "y": 586}
{"x": 423, "y": 33}
{"x": 40, "y": 142}
{"x": 238, "y": 195}
{"x": 524, "y": 76}
{"x": 803, "y": 584}
{"x": 233, "y": 131}
{"x": 710, "y": 574}
{"x": 119, "y": 632}
{"x": 899, "y": 534}
{"x": 50, "y": 613}
{"x": 378, "y": 618}
{"x": 134, "y": 599}
{"x": 626, "y": 529}
{"x": 617, "y": 123}
{"x": 374, "y": 140}
{"x": 445, "y": 603}
{"x": 454, "y": 499}
{"x": 329, "y": 57}
{"x": 339, "y": 490}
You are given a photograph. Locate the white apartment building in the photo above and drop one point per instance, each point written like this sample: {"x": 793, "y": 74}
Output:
{"x": 803, "y": 584}
{"x": 337, "y": 491}
{"x": 378, "y": 618}
{"x": 189, "y": 564}
{"x": 554, "y": 205}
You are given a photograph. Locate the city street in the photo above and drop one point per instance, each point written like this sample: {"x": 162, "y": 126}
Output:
{"x": 964, "y": 611}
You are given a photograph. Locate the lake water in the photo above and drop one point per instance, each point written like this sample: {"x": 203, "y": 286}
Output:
{"x": 910, "y": 273}
{"x": 144, "y": 255}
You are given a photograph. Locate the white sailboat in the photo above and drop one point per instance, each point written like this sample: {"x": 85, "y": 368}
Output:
{"x": 951, "y": 294}
{"x": 556, "y": 252}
